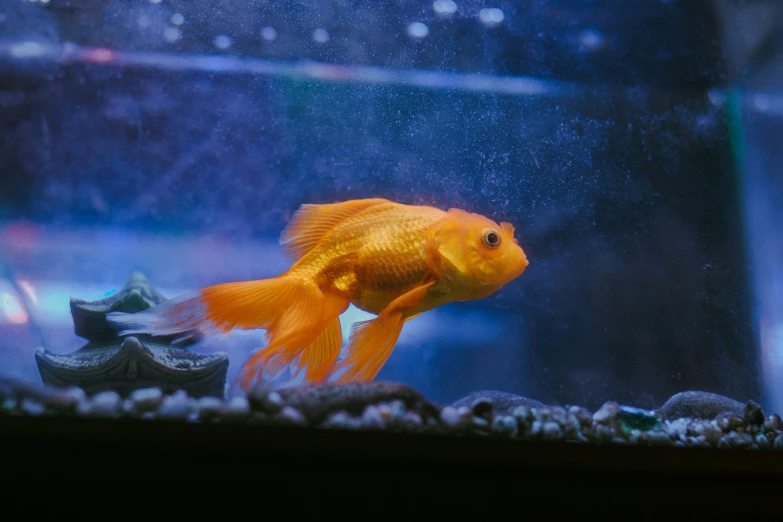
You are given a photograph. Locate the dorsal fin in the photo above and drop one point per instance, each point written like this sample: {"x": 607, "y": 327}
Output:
{"x": 312, "y": 222}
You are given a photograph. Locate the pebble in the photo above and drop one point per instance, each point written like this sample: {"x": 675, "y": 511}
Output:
{"x": 482, "y": 408}
{"x": 32, "y": 407}
{"x": 729, "y": 421}
{"x": 340, "y": 419}
{"x": 372, "y": 418}
{"x": 581, "y": 415}
{"x": 450, "y": 416}
{"x": 8, "y": 405}
{"x": 208, "y": 408}
{"x": 611, "y": 423}
{"x": 103, "y": 404}
{"x": 505, "y": 425}
{"x": 289, "y": 415}
{"x": 412, "y": 418}
{"x": 175, "y": 406}
{"x": 773, "y": 423}
{"x": 523, "y": 414}
{"x": 753, "y": 414}
{"x": 235, "y": 409}
{"x": 66, "y": 400}
{"x": 637, "y": 418}
{"x": 607, "y": 413}
{"x": 659, "y": 438}
{"x": 739, "y": 440}
{"x": 552, "y": 431}
{"x": 146, "y": 399}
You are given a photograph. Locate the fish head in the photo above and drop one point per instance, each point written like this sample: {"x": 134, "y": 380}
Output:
{"x": 474, "y": 253}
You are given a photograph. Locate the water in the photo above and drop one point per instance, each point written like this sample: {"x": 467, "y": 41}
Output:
{"x": 177, "y": 140}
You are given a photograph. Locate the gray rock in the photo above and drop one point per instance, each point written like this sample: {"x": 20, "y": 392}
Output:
{"x": 699, "y": 405}
{"x": 318, "y": 402}
{"x": 503, "y": 403}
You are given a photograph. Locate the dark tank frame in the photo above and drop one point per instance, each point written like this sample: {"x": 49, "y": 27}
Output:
{"x": 61, "y": 465}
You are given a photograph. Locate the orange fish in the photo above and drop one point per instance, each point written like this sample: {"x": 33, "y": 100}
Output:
{"x": 389, "y": 259}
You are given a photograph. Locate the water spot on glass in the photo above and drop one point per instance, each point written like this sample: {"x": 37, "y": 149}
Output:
{"x": 172, "y": 34}
{"x": 321, "y": 36}
{"x": 491, "y": 16}
{"x": 26, "y": 50}
{"x": 155, "y": 1}
{"x": 418, "y": 30}
{"x": 222, "y": 41}
{"x": 444, "y": 7}
{"x": 177, "y": 19}
{"x": 143, "y": 21}
{"x": 591, "y": 39}
{"x": 268, "y": 33}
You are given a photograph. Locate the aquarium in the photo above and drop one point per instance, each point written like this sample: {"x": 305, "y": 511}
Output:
{"x": 613, "y": 273}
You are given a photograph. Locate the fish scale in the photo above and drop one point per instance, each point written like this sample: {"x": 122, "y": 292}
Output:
{"x": 374, "y": 256}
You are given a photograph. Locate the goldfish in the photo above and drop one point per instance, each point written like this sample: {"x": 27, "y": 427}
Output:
{"x": 392, "y": 260}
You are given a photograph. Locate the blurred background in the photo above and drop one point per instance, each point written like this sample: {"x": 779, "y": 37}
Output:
{"x": 634, "y": 145}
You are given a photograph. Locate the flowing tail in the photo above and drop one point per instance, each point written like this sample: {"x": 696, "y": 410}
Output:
{"x": 301, "y": 320}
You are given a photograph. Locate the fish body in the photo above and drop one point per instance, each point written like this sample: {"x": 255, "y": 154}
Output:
{"x": 392, "y": 260}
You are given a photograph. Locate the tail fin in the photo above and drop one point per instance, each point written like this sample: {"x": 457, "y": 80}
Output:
{"x": 214, "y": 310}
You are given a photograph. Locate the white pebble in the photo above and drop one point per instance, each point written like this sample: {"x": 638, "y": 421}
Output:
{"x": 450, "y": 416}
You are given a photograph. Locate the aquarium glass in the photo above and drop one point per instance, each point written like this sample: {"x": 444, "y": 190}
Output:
{"x": 166, "y": 144}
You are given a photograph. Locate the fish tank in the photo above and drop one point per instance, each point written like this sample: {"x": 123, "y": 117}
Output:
{"x": 540, "y": 230}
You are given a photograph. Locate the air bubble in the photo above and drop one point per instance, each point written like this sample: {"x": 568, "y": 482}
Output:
{"x": 418, "y": 30}
{"x": 177, "y": 19}
{"x": 591, "y": 39}
{"x": 268, "y": 33}
{"x": 222, "y": 41}
{"x": 320, "y": 36}
{"x": 444, "y": 7}
{"x": 172, "y": 34}
{"x": 491, "y": 16}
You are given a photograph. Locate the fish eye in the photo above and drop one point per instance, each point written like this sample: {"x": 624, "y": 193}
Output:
{"x": 490, "y": 238}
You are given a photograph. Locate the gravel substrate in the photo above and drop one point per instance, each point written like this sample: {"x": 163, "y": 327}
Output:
{"x": 397, "y": 407}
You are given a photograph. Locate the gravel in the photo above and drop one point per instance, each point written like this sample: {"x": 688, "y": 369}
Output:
{"x": 396, "y": 407}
